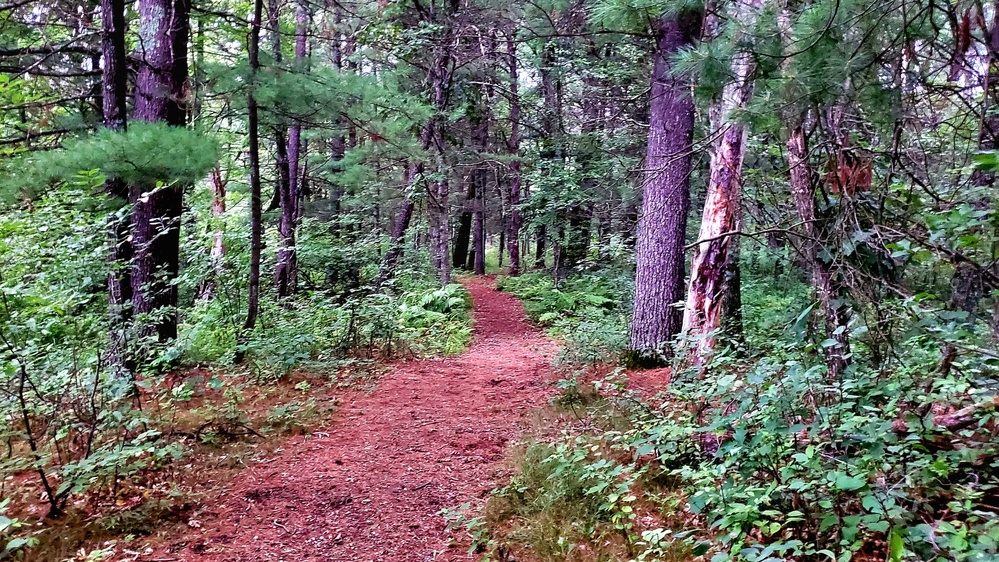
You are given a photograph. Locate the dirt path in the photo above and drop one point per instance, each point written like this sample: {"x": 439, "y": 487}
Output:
{"x": 432, "y": 435}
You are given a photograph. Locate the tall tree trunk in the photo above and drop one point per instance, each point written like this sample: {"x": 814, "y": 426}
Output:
{"x": 659, "y": 251}
{"x": 824, "y": 283}
{"x": 460, "y": 257}
{"x": 256, "y": 226}
{"x": 114, "y": 94}
{"x": 714, "y": 268}
{"x": 432, "y": 136}
{"x": 217, "y": 254}
{"x": 513, "y": 146}
{"x": 394, "y": 252}
{"x": 161, "y": 92}
{"x": 287, "y": 152}
{"x": 480, "y": 176}
{"x": 286, "y": 272}
{"x": 540, "y": 239}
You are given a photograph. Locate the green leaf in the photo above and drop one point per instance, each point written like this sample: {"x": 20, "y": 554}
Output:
{"x": 896, "y": 547}
{"x": 847, "y": 483}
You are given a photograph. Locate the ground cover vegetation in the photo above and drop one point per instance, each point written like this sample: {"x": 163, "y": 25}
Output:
{"x": 215, "y": 211}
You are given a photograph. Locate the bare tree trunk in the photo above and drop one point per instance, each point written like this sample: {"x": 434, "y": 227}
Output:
{"x": 715, "y": 264}
{"x": 217, "y": 254}
{"x": 286, "y": 271}
{"x": 161, "y": 88}
{"x": 460, "y": 254}
{"x": 399, "y": 230}
{"x": 513, "y": 146}
{"x": 837, "y": 354}
{"x": 659, "y": 251}
{"x": 114, "y": 95}
{"x": 480, "y": 176}
{"x": 256, "y": 228}
{"x": 432, "y": 137}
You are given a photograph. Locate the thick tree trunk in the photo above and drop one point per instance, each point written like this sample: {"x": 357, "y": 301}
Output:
{"x": 256, "y": 226}
{"x": 161, "y": 91}
{"x": 114, "y": 95}
{"x": 715, "y": 265}
{"x": 513, "y": 146}
{"x": 460, "y": 256}
{"x": 659, "y": 251}
{"x": 540, "y": 239}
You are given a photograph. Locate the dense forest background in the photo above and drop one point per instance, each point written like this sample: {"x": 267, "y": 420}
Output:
{"x": 790, "y": 203}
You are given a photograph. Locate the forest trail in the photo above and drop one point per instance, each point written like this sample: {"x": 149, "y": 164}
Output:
{"x": 432, "y": 435}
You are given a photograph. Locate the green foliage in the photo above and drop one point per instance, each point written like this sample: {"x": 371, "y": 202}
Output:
{"x": 147, "y": 155}
{"x": 590, "y": 312}
{"x": 563, "y": 497}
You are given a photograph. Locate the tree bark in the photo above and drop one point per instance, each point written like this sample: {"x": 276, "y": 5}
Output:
{"x": 394, "y": 252}
{"x": 206, "y": 291}
{"x": 714, "y": 268}
{"x": 460, "y": 252}
{"x": 540, "y": 239}
{"x": 432, "y": 137}
{"x": 513, "y": 146}
{"x": 287, "y": 140}
{"x": 114, "y": 100}
{"x": 480, "y": 176}
{"x": 161, "y": 96}
{"x": 256, "y": 228}
{"x": 286, "y": 272}
{"x": 823, "y": 280}
{"x": 659, "y": 251}
{"x": 837, "y": 347}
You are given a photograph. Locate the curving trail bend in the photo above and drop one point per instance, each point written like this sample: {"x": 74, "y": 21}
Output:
{"x": 432, "y": 435}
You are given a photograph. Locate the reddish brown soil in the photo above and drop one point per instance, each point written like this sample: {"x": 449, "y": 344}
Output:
{"x": 431, "y": 436}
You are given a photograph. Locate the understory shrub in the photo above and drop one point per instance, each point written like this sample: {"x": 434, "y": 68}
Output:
{"x": 75, "y": 428}
{"x": 590, "y": 313}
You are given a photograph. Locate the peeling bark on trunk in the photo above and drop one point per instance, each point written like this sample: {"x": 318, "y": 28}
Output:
{"x": 161, "y": 96}
{"x": 824, "y": 283}
{"x": 823, "y": 280}
{"x": 217, "y": 254}
{"x": 659, "y": 251}
{"x": 714, "y": 268}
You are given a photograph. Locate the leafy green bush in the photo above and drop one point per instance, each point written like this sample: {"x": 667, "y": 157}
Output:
{"x": 564, "y": 497}
{"x": 589, "y": 312}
